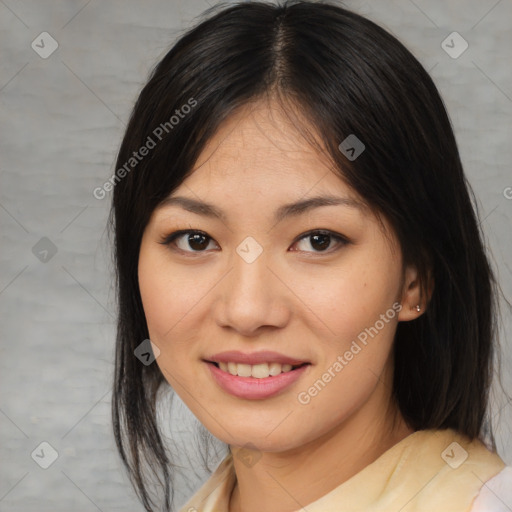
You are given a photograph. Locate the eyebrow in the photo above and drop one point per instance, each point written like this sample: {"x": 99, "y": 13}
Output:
{"x": 286, "y": 210}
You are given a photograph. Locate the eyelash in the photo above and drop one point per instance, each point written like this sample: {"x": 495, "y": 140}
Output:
{"x": 172, "y": 237}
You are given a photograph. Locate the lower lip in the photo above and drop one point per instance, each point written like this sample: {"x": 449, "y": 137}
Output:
{"x": 252, "y": 388}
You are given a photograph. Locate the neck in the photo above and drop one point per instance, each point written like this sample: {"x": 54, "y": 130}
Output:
{"x": 289, "y": 481}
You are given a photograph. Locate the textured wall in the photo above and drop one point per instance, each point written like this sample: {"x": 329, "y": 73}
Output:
{"x": 61, "y": 121}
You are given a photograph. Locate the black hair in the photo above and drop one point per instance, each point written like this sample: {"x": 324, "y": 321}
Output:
{"x": 346, "y": 76}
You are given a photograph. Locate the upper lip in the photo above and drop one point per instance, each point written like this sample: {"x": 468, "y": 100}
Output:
{"x": 265, "y": 356}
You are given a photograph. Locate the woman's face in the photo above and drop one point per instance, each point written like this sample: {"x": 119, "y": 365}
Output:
{"x": 259, "y": 279}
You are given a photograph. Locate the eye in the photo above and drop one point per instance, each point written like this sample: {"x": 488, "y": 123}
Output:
{"x": 320, "y": 240}
{"x": 194, "y": 241}
{"x": 185, "y": 240}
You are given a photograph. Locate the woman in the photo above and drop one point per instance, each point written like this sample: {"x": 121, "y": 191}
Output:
{"x": 295, "y": 235}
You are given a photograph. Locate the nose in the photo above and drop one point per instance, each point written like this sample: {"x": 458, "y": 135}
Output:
{"x": 252, "y": 298}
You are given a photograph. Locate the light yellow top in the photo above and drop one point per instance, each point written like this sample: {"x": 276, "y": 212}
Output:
{"x": 428, "y": 471}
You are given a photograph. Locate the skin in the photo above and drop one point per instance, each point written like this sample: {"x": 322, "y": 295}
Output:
{"x": 294, "y": 299}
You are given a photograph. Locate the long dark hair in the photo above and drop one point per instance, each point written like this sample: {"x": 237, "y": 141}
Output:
{"x": 344, "y": 75}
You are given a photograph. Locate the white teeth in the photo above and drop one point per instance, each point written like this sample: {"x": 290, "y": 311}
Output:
{"x": 244, "y": 370}
{"x": 275, "y": 369}
{"x": 258, "y": 371}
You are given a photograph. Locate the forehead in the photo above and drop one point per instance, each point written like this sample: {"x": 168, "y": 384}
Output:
{"x": 268, "y": 148}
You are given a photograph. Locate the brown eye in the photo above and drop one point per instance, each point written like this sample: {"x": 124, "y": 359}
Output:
{"x": 188, "y": 241}
{"x": 197, "y": 241}
{"x": 320, "y": 241}
{"x": 193, "y": 241}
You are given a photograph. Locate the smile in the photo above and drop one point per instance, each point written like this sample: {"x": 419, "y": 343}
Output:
{"x": 258, "y": 371}
{"x": 255, "y": 382}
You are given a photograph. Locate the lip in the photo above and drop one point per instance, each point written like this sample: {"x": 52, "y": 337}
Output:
{"x": 255, "y": 389}
{"x": 264, "y": 356}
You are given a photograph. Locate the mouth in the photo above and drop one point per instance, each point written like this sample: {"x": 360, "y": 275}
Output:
{"x": 255, "y": 382}
{"x": 256, "y": 371}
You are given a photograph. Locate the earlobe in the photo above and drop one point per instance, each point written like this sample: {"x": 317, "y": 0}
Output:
{"x": 413, "y": 303}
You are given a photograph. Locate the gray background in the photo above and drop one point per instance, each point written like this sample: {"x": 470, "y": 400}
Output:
{"x": 61, "y": 123}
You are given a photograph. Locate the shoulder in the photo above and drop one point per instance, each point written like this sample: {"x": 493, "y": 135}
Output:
{"x": 214, "y": 494}
{"x": 495, "y": 494}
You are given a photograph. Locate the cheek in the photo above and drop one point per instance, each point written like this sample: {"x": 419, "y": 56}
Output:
{"x": 345, "y": 300}
{"x": 155, "y": 295}
{"x": 168, "y": 315}
{"x": 170, "y": 296}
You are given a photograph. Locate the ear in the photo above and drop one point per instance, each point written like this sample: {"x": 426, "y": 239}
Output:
{"x": 412, "y": 298}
